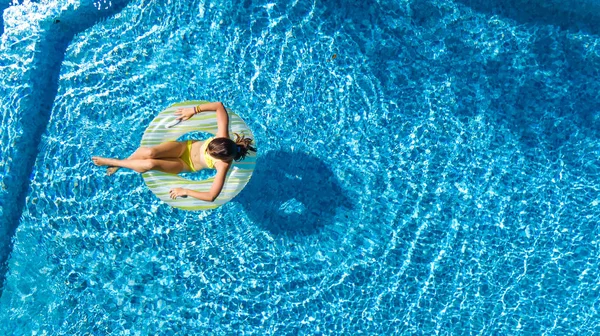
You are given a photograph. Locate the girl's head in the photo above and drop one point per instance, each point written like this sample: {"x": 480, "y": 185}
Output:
{"x": 226, "y": 149}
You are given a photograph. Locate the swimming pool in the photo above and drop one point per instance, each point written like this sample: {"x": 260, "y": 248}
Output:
{"x": 424, "y": 167}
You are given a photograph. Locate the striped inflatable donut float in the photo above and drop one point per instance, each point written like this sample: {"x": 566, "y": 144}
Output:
{"x": 160, "y": 183}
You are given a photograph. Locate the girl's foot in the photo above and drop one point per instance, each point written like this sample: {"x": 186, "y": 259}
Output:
{"x": 100, "y": 161}
{"x": 111, "y": 170}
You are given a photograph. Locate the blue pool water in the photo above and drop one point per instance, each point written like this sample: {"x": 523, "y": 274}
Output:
{"x": 425, "y": 167}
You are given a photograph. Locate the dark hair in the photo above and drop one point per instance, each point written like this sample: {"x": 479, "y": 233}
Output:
{"x": 226, "y": 149}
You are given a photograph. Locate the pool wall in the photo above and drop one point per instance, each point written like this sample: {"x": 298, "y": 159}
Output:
{"x": 33, "y": 53}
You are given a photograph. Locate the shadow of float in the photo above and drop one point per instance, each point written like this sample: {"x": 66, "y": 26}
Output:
{"x": 35, "y": 108}
{"x": 292, "y": 193}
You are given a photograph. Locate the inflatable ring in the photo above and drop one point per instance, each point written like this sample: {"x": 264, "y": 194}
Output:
{"x": 160, "y": 183}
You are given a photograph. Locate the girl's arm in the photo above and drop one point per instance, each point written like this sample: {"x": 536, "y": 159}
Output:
{"x": 215, "y": 189}
{"x": 222, "y": 116}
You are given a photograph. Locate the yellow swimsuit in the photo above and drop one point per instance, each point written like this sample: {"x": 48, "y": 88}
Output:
{"x": 186, "y": 157}
{"x": 209, "y": 160}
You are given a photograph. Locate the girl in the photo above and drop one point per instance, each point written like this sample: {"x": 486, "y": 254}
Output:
{"x": 189, "y": 156}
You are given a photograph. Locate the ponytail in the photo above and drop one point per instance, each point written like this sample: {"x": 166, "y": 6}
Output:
{"x": 243, "y": 146}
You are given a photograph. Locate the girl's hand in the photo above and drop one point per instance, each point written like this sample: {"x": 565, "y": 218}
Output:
{"x": 185, "y": 113}
{"x": 178, "y": 192}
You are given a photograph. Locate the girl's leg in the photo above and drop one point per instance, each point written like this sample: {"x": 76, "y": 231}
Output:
{"x": 140, "y": 153}
{"x": 167, "y": 165}
{"x": 171, "y": 149}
